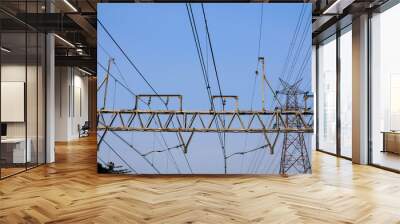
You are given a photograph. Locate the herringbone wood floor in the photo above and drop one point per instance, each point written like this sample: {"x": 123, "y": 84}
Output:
{"x": 70, "y": 191}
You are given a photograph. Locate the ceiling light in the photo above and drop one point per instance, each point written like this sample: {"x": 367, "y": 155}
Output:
{"x": 65, "y": 41}
{"x": 5, "y": 50}
{"x": 84, "y": 71}
{"x": 70, "y": 5}
{"x": 337, "y": 7}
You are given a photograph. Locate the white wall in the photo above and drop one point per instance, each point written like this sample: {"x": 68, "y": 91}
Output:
{"x": 14, "y": 73}
{"x": 17, "y": 73}
{"x": 33, "y": 126}
{"x": 71, "y": 102}
{"x": 61, "y": 103}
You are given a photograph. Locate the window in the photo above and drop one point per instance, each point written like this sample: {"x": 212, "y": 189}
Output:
{"x": 385, "y": 88}
{"x": 346, "y": 92}
{"x": 327, "y": 95}
{"x": 22, "y": 88}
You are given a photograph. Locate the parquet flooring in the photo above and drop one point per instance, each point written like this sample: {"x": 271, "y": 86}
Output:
{"x": 70, "y": 191}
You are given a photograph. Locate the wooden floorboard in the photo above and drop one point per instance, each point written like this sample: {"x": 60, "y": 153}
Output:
{"x": 71, "y": 191}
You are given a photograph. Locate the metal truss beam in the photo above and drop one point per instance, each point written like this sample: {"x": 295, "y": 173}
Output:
{"x": 204, "y": 121}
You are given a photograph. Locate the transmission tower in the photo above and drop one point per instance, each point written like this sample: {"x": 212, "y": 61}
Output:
{"x": 294, "y": 148}
{"x": 290, "y": 118}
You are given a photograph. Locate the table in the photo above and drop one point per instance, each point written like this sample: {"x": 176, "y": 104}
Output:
{"x": 13, "y": 150}
{"x": 391, "y": 141}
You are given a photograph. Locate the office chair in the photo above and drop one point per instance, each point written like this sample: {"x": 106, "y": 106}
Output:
{"x": 84, "y": 130}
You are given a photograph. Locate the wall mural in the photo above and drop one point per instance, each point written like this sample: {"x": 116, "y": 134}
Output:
{"x": 204, "y": 89}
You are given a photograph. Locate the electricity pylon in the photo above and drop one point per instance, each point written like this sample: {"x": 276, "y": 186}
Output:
{"x": 294, "y": 148}
{"x": 289, "y": 119}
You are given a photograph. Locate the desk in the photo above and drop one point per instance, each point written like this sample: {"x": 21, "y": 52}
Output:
{"x": 13, "y": 150}
{"x": 391, "y": 141}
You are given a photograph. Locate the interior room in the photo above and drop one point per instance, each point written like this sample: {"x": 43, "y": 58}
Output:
{"x": 49, "y": 154}
{"x": 385, "y": 89}
{"x": 22, "y": 101}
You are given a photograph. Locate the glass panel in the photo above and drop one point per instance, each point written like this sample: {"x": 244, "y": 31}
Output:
{"x": 327, "y": 96}
{"x": 31, "y": 99}
{"x": 23, "y": 91}
{"x": 385, "y": 84}
{"x": 41, "y": 99}
{"x": 32, "y": 89}
{"x": 13, "y": 86}
{"x": 346, "y": 93}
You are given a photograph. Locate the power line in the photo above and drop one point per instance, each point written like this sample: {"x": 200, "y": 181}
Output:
{"x": 199, "y": 52}
{"x": 116, "y": 80}
{"x": 212, "y": 54}
{"x": 136, "y": 150}
{"x": 163, "y": 150}
{"x": 293, "y": 41}
{"x": 101, "y": 160}
{"x": 205, "y": 73}
{"x": 218, "y": 83}
{"x": 131, "y": 92}
{"x": 119, "y": 156}
{"x": 299, "y": 47}
{"x": 253, "y": 159}
{"x": 130, "y": 61}
{"x": 258, "y": 62}
{"x": 245, "y": 152}
{"x": 303, "y": 65}
{"x": 139, "y": 72}
{"x": 292, "y": 44}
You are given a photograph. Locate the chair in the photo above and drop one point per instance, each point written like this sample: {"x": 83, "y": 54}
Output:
{"x": 84, "y": 130}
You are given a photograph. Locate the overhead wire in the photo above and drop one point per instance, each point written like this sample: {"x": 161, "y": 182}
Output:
{"x": 163, "y": 150}
{"x": 136, "y": 150}
{"x": 130, "y": 61}
{"x": 291, "y": 46}
{"x": 299, "y": 48}
{"x": 143, "y": 78}
{"x": 288, "y": 67}
{"x": 205, "y": 69}
{"x": 245, "y": 152}
{"x": 303, "y": 66}
{"x": 218, "y": 81}
{"x": 205, "y": 72}
{"x": 117, "y": 80}
{"x": 199, "y": 52}
{"x": 260, "y": 28}
{"x": 119, "y": 156}
{"x": 292, "y": 43}
{"x": 131, "y": 92}
{"x": 212, "y": 54}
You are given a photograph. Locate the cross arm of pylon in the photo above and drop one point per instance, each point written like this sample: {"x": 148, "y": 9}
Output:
{"x": 205, "y": 121}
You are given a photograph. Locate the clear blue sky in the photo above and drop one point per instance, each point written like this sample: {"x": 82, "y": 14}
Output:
{"x": 159, "y": 40}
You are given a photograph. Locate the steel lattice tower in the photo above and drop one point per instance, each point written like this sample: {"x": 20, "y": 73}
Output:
{"x": 294, "y": 148}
